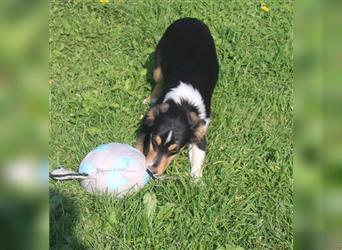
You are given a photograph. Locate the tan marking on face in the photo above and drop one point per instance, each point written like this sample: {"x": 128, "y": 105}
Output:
{"x": 164, "y": 163}
{"x": 151, "y": 156}
{"x": 158, "y": 140}
{"x": 172, "y": 147}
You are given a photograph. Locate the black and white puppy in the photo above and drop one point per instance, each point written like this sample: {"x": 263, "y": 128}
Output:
{"x": 186, "y": 71}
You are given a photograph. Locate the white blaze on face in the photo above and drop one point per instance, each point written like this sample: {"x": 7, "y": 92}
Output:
{"x": 169, "y": 137}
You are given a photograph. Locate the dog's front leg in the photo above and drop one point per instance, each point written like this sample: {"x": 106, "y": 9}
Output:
{"x": 196, "y": 157}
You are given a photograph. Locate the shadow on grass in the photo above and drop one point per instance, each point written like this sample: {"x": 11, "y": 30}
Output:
{"x": 22, "y": 219}
{"x": 64, "y": 215}
{"x": 149, "y": 65}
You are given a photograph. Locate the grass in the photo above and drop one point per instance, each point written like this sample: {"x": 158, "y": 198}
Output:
{"x": 99, "y": 76}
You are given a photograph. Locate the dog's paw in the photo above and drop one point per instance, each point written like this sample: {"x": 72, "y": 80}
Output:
{"x": 196, "y": 175}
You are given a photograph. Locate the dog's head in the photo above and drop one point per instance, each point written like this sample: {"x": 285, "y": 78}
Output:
{"x": 171, "y": 127}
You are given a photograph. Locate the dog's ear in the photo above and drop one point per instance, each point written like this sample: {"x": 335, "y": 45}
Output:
{"x": 197, "y": 126}
{"x": 154, "y": 112}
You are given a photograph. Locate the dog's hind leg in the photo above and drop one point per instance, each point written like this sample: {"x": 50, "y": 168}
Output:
{"x": 158, "y": 78}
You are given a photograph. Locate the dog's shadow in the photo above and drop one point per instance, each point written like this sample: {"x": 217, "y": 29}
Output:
{"x": 64, "y": 215}
{"x": 149, "y": 65}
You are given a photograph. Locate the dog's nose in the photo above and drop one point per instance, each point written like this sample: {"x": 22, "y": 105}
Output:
{"x": 151, "y": 165}
{"x": 153, "y": 170}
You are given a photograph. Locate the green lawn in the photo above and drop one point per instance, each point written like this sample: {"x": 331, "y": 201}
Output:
{"x": 100, "y": 65}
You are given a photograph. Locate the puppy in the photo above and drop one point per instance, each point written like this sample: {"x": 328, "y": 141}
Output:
{"x": 186, "y": 71}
